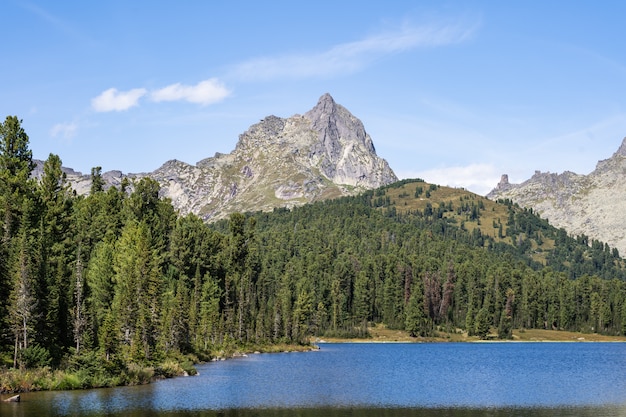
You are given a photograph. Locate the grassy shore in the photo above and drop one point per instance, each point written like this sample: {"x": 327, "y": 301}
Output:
{"x": 93, "y": 373}
{"x": 382, "y": 334}
{"x": 49, "y": 379}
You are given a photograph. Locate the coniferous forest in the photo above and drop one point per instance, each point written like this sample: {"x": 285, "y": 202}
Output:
{"x": 116, "y": 287}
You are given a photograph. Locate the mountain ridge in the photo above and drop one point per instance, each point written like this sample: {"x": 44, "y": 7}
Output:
{"x": 277, "y": 162}
{"x": 592, "y": 205}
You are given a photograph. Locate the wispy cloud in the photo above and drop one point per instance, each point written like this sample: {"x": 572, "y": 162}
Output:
{"x": 114, "y": 100}
{"x": 350, "y": 57}
{"x": 478, "y": 178}
{"x": 57, "y": 23}
{"x": 64, "y": 130}
{"x": 205, "y": 92}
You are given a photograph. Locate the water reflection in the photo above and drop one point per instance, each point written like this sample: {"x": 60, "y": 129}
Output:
{"x": 18, "y": 410}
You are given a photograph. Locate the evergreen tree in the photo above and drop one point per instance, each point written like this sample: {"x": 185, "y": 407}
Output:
{"x": 137, "y": 288}
{"x": 505, "y": 327}
{"x": 79, "y": 313}
{"x": 16, "y": 164}
{"x": 97, "y": 183}
{"x": 23, "y": 305}
{"x": 362, "y": 298}
{"x": 302, "y": 313}
{"x": 482, "y": 322}
{"x": 416, "y": 321}
{"x": 57, "y": 254}
{"x": 100, "y": 283}
{"x": 208, "y": 333}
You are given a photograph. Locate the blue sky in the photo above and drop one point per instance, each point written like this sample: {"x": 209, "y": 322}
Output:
{"x": 456, "y": 93}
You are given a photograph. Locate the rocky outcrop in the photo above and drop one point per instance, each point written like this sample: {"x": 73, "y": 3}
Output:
{"x": 278, "y": 162}
{"x": 593, "y": 205}
{"x": 503, "y": 185}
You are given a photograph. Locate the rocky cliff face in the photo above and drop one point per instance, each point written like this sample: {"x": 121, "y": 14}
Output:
{"x": 594, "y": 204}
{"x": 277, "y": 162}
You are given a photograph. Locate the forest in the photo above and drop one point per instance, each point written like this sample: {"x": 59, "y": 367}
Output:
{"x": 115, "y": 286}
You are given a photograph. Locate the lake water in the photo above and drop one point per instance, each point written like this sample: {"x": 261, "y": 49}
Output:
{"x": 439, "y": 379}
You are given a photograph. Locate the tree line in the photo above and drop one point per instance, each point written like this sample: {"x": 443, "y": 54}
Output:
{"x": 119, "y": 277}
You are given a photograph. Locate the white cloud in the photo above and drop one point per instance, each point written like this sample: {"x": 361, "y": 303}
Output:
{"x": 114, "y": 100}
{"x": 352, "y": 56}
{"x": 64, "y": 130}
{"x": 477, "y": 178}
{"x": 205, "y": 92}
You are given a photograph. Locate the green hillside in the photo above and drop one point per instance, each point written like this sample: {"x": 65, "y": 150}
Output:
{"x": 503, "y": 222}
{"x": 418, "y": 256}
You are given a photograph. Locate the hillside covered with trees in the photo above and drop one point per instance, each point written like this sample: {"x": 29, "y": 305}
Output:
{"x": 116, "y": 282}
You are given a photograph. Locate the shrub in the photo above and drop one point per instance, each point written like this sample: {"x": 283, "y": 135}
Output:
{"x": 138, "y": 375}
{"x": 35, "y": 356}
{"x": 67, "y": 381}
{"x": 24, "y": 380}
{"x": 169, "y": 369}
{"x": 89, "y": 362}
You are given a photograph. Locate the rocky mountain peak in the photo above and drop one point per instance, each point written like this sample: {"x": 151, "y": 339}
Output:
{"x": 325, "y": 105}
{"x": 336, "y": 124}
{"x": 277, "y": 162}
{"x": 343, "y": 150}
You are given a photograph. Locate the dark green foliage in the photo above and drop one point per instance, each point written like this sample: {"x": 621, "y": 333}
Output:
{"x": 97, "y": 183}
{"x": 115, "y": 282}
{"x": 34, "y": 356}
{"x": 482, "y": 323}
{"x": 416, "y": 322}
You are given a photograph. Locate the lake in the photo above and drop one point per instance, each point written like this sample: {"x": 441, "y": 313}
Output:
{"x": 373, "y": 379}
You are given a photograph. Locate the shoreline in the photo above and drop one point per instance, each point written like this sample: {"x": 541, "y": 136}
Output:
{"x": 33, "y": 379}
{"x": 381, "y": 334}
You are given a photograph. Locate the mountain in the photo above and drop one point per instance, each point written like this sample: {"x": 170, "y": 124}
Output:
{"x": 591, "y": 205}
{"x": 277, "y": 162}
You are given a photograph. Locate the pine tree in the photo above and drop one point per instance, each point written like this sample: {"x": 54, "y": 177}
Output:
{"x": 209, "y": 323}
{"x": 99, "y": 276}
{"x": 79, "y": 313}
{"x": 482, "y": 323}
{"x": 56, "y": 284}
{"x": 137, "y": 288}
{"x": 23, "y": 305}
{"x": 109, "y": 335}
{"x": 302, "y": 312}
{"x": 362, "y": 298}
{"x": 241, "y": 274}
{"x": 16, "y": 164}
{"x": 97, "y": 183}
{"x": 505, "y": 328}
{"x": 416, "y": 321}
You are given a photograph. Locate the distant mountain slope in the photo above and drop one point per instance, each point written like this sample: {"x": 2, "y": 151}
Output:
{"x": 593, "y": 205}
{"x": 277, "y": 162}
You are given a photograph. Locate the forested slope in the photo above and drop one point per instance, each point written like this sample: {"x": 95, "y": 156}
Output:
{"x": 105, "y": 283}
{"x": 419, "y": 256}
